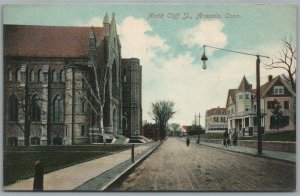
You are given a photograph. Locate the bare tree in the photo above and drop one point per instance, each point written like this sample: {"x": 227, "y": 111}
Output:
{"x": 161, "y": 113}
{"x": 95, "y": 91}
{"x": 25, "y": 106}
{"x": 287, "y": 61}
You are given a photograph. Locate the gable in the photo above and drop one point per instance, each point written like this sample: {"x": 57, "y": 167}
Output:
{"x": 271, "y": 93}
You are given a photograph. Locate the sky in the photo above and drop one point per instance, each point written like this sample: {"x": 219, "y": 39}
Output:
{"x": 168, "y": 39}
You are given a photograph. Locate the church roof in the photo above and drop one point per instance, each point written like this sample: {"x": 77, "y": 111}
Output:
{"x": 244, "y": 85}
{"x": 47, "y": 41}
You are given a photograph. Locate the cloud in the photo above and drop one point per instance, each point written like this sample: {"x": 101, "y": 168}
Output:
{"x": 179, "y": 76}
{"x": 205, "y": 33}
{"x": 137, "y": 42}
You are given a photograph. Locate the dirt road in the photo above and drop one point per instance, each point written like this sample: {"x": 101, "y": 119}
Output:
{"x": 174, "y": 166}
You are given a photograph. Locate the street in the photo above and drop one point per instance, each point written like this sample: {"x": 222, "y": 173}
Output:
{"x": 176, "y": 167}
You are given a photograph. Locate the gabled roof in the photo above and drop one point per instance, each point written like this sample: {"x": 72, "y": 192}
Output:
{"x": 216, "y": 111}
{"x": 267, "y": 86}
{"x": 231, "y": 93}
{"x": 244, "y": 85}
{"x": 47, "y": 41}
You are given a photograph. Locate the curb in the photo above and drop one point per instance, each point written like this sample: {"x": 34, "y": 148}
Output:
{"x": 255, "y": 155}
{"x": 129, "y": 169}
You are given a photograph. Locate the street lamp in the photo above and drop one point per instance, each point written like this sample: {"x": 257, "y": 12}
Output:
{"x": 258, "y": 112}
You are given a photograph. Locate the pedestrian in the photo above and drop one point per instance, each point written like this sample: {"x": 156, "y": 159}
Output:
{"x": 188, "y": 141}
{"x": 235, "y": 138}
{"x": 225, "y": 138}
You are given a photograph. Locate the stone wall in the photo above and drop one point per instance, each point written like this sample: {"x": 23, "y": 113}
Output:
{"x": 284, "y": 146}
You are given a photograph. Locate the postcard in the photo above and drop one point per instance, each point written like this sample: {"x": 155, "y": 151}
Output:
{"x": 149, "y": 97}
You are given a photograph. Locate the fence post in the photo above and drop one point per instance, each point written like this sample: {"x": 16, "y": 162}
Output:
{"x": 132, "y": 153}
{"x": 38, "y": 182}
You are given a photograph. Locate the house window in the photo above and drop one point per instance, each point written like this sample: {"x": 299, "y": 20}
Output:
{"x": 35, "y": 109}
{"x": 40, "y": 75}
{"x": 58, "y": 109}
{"x": 247, "y": 96}
{"x": 13, "y": 108}
{"x": 62, "y": 76}
{"x": 271, "y": 104}
{"x": 278, "y": 90}
{"x": 82, "y": 130}
{"x": 286, "y": 105}
{"x": 18, "y": 75}
{"x": 240, "y": 96}
{"x": 10, "y": 77}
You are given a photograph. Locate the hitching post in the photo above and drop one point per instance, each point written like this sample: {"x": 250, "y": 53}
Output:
{"x": 38, "y": 182}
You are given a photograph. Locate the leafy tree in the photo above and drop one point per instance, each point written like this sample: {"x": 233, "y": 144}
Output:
{"x": 277, "y": 116}
{"x": 161, "y": 112}
{"x": 176, "y": 128}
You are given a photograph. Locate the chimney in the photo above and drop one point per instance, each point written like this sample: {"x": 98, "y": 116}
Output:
{"x": 270, "y": 78}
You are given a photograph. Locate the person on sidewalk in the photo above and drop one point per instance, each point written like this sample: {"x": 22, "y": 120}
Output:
{"x": 235, "y": 138}
{"x": 187, "y": 142}
{"x": 225, "y": 138}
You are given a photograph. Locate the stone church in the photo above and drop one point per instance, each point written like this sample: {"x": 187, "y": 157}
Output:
{"x": 49, "y": 78}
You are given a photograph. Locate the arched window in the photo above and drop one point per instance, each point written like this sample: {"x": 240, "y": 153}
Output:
{"x": 54, "y": 76}
{"x": 62, "y": 76}
{"x": 13, "y": 108}
{"x": 114, "y": 73}
{"x": 35, "y": 141}
{"x": 31, "y": 77}
{"x": 18, "y": 75}
{"x": 9, "y": 78}
{"x": 82, "y": 107}
{"x": 82, "y": 83}
{"x": 40, "y": 76}
{"x": 124, "y": 78}
{"x": 35, "y": 109}
{"x": 58, "y": 109}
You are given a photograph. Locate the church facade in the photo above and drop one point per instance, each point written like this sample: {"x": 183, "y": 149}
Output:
{"x": 49, "y": 77}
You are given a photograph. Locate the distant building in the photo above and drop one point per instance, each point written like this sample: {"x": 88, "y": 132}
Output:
{"x": 241, "y": 107}
{"x": 216, "y": 120}
{"x": 151, "y": 131}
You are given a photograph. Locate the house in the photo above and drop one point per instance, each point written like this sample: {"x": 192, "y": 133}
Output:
{"x": 277, "y": 91}
{"x": 240, "y": 111}
{"x": 241, "y": 107}
{"x": 216, "y": 120}
{"x": 46, "y": 68}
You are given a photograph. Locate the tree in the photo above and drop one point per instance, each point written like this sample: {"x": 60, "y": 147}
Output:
{"x": 96, "y": 88}
{"x": 287, "y": 61}
{"x": 176, "y": 128}
{"x": 161, "y": 112}
{"x": 277, "y": 116}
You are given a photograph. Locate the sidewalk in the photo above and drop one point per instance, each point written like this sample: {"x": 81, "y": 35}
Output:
{"x": 283, "y": 156}
{"x": 74, "y": 176}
